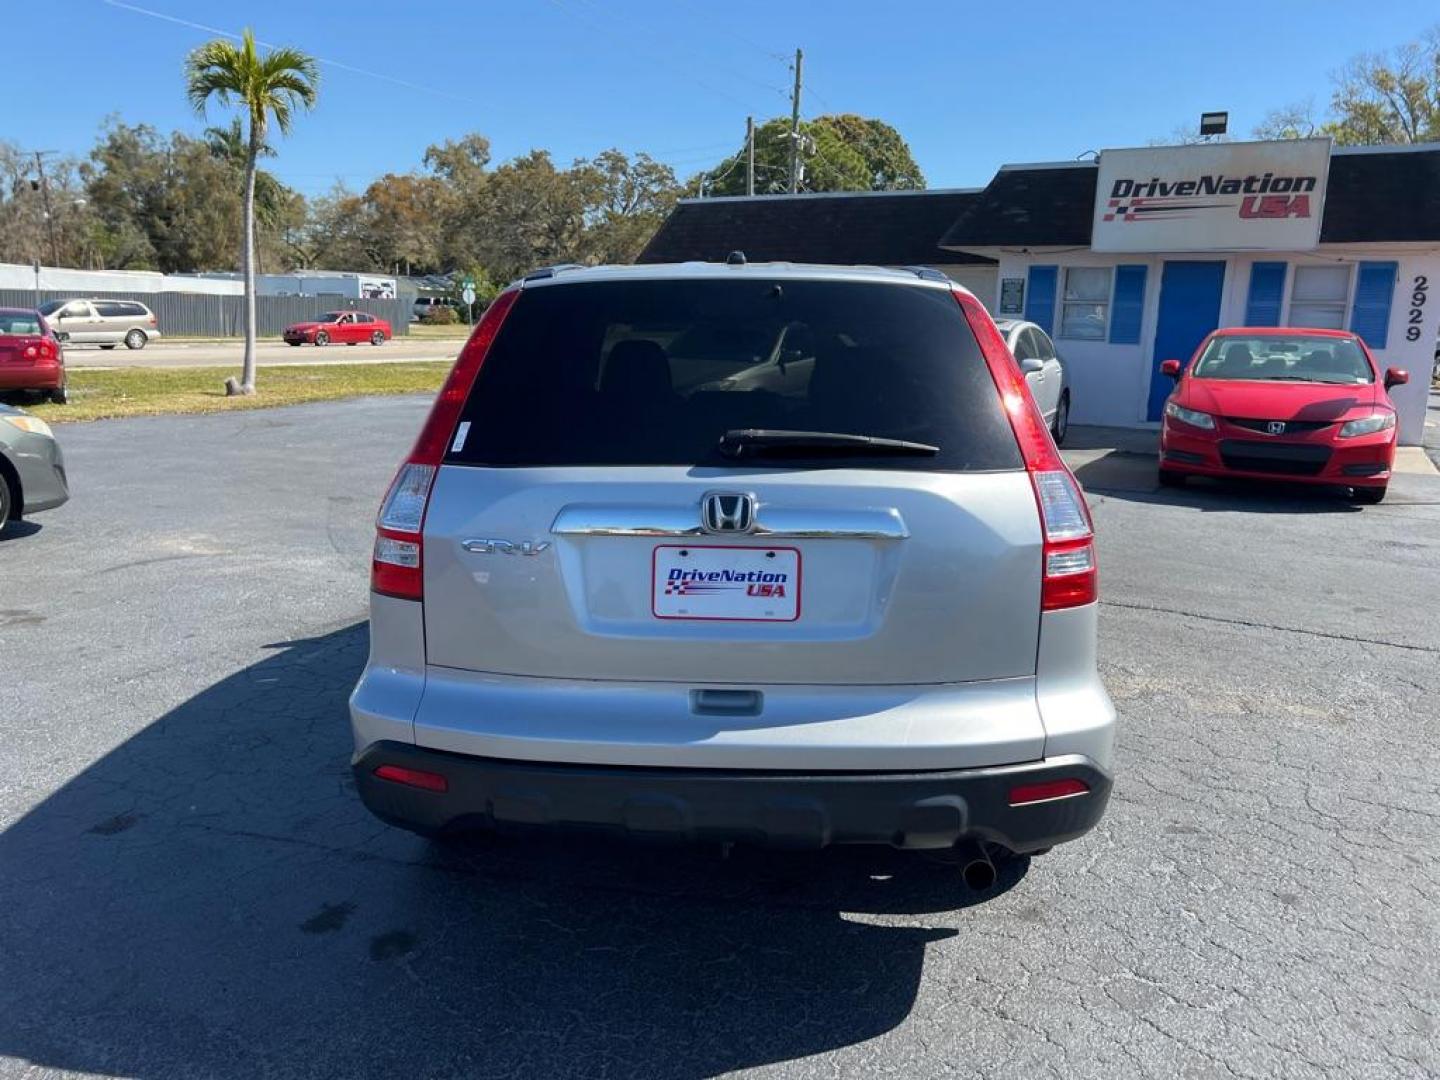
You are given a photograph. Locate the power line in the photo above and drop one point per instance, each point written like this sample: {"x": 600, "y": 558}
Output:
{"x": 337, "y": 64}
{"x": 726, "y": 29}
{"x": 629, "y": 43}
{"x": 647, "y": 30}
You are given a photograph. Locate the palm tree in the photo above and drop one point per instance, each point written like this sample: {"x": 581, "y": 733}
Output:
{"x": 229, "y": 145}
{"x": 266, "y": 87}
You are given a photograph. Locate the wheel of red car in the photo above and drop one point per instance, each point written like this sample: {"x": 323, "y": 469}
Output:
{"x": 322, "y": 338}
{"x": 60, "y": 395}
{"x": 377, "y": 338}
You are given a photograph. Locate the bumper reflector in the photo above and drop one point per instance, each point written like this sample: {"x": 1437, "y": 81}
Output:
{"x": 1026, "y": 794}
{"x": 416, "y": 778}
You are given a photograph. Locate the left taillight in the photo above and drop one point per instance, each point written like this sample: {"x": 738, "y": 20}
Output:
{"x": 397, "y": 568}
{"x": 1068, "y": 574}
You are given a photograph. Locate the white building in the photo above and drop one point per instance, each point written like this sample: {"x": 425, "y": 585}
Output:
{"x": 134, "y": 282}
{"x": 340, "y": 283}
{"x": 1132, "y": 260}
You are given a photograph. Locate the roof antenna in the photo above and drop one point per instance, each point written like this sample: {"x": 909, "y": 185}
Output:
{"x": 735, "y": 258}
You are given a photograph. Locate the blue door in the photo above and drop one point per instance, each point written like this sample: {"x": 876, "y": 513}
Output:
{"x": 1189, "y": 309}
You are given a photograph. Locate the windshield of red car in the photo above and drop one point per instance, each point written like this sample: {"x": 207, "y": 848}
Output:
{"x": 19, "y": 322}
{"x": 1285, "y": 358}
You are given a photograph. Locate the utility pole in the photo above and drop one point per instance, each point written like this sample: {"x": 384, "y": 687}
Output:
{"x": 795, "y": 126}
{"x": 45, "y": 194}
{"x": 749, "y": 155}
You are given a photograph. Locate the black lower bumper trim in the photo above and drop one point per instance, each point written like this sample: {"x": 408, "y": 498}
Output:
{"x": 803, "y": 810}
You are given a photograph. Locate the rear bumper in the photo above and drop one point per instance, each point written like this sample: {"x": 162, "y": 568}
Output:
{"x": 776, "y": 809}
{"x": 32, "y": 376}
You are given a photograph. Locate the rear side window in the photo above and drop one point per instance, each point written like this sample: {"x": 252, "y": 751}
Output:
{"x": 135, "y": 309}
{"x": 110, "y": 309}
{"x": 655, "y": 372}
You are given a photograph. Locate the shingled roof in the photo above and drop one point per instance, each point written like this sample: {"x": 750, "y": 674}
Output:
{"x": 900, "y": 228}
{"x": 1375, "y": 195}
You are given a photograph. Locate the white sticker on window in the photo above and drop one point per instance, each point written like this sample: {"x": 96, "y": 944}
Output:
{"x": 460, "y": 434}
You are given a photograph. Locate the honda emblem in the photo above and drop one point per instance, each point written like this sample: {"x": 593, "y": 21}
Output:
{"x": 1276, "y": 427}
{"x": 726, "y": 512}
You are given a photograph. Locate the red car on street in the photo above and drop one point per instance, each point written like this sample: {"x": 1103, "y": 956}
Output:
{"x": 350, "y": 327}
{"x": 30, "y": 354}
{"x": 1280, "y": 402}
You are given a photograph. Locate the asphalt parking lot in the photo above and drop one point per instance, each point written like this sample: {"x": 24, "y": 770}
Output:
{"x": 189, "y": 887}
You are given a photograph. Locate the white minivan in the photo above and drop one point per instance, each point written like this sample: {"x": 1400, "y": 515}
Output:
{"x": 106, "y": 323}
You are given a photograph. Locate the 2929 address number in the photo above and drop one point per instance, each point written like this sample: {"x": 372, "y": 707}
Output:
{"x": 1420, "y": 292}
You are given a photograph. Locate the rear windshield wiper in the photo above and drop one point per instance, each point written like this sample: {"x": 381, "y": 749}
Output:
{"x": 769, "y": 442}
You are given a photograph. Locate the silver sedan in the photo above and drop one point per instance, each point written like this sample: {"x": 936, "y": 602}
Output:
{"x": 32, "y": 469}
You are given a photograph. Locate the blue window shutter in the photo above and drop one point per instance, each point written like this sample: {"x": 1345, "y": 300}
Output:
{"x": 1129, "y": 305}
{"x": 1267, "y": 293}
{"x": 1040, "y": 297}
{"x": 1374, "y": 289}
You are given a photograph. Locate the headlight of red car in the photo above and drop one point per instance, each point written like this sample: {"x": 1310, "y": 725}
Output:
{"x": 1380, "y": 420}
{"x": 1189, "y": 416}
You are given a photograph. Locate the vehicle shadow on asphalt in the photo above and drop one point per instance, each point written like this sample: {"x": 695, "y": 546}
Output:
{"x": 1133, "y": 478}
{"x": 211, "y": 899}
{"x": 18, "y": 530}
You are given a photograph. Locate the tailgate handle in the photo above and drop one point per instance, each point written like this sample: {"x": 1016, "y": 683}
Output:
{"x": 726, "y": 702}
{"x": 777, "y": 522}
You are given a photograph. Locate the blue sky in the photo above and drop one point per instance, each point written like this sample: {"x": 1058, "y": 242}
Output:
{"x": 970, "y": 85}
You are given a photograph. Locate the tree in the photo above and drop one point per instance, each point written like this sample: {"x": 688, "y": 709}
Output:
{"x": 227, "y": 144}
{"x": 844, "y": 152}
{"x": 406, "y": 215}
{"x": 24, "y": 232}
{"x": 1294, "y": 121}
{"x": 337, "y": 232}
{"x": 1378, "y": 98}
{"x": 532, "y": 214}
{"x": 161, "y": 203}
{"x": 264, "y": 88}
{"x": 1389, "y": 98}
{"x": 626, "y": 200}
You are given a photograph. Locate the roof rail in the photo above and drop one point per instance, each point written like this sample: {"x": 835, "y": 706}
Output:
{"x": 550, "y": 271}
{"x": 926, "y": 273}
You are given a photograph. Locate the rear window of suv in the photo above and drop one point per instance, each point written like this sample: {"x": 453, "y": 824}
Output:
{"x": 655, "y": 372}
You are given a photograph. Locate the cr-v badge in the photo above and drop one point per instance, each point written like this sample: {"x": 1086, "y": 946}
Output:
{"x": 505, "y": 547}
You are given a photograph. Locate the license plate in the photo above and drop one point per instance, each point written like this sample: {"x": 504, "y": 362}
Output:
{"x": 735, "y": 584}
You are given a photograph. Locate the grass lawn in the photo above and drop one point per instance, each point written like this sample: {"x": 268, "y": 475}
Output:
{"x": 98, "y": 395}
{"x": 425, "y": 332}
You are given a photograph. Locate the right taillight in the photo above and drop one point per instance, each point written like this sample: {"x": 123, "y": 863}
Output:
{"x": 397, "y": 567}
{"x": 1068, "y": 576}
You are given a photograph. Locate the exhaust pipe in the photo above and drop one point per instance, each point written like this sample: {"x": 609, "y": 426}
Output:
{"x": 975, "y": 866}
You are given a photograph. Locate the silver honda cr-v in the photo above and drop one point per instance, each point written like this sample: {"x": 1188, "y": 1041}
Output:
{"x": 764, "y": 553}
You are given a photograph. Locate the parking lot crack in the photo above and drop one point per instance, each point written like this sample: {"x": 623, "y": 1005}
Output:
{"x": 1256, "y": 625}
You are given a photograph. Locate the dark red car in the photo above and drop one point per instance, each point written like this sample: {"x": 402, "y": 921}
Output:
{"x": 30, "y": 354}
{"x": 349, "y": 327}
{"x": 1305, "y": 405}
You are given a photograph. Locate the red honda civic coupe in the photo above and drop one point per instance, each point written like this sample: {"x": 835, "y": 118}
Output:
{"x": 31, "y": 357}
{"x": 1281, "y": 402}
